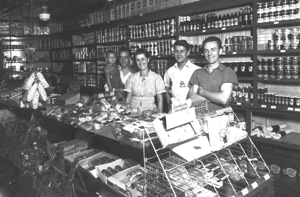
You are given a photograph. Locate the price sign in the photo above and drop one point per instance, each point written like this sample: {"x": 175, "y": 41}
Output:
{"x": 297, "y": 109}
{"x": 224, "y": 28}
{"x": 203, "y": 30}
{"x": 282, "y": 51}
{"x": 290, "y": 109}
{"x": 233, "y": 53}
{"x": 276, "y": 22}
{"x": 263, "y": 106}
{"x": 254, "y": 185}
{"x": 238, "y": 103}
{"x": 273, "y": 107}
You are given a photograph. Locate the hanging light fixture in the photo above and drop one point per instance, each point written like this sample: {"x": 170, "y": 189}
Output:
{"x": 44, "y": 16}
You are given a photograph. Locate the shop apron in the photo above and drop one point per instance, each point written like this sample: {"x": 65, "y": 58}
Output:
{"x": 143, "y": 103}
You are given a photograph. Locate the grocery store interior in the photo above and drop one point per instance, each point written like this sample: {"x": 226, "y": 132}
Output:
{"x": 67, "y": 130}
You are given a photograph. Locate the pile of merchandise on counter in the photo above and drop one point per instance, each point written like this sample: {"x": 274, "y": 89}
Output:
{"x": 275, "y": 132}
{"x": 94, "y": 114}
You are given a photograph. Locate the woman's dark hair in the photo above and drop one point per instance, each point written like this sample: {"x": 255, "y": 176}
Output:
{"x": 212, "y": 39}
{"x": 141, "y": 51}
{"x": 183, "y": 43}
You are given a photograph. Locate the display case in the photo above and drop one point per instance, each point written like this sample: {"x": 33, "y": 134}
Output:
{"x": 196, "y": 166}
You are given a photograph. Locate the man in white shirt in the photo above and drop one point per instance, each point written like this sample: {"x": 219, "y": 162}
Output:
{"x": 124, "y": 61}
{"x": 178, "y": 76}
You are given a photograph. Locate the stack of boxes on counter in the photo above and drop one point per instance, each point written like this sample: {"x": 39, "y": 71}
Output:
{"x": 222, "y": 19}
{"x": 156, "y": 29}
{"x": 279, "y": 10}
{"x": 278, "y": 68}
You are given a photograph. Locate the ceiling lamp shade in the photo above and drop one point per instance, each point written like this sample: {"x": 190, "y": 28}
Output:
{"x": 44, "y": 16}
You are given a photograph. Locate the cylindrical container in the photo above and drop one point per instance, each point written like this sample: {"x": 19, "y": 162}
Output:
{"x": 249, "y": 43}
{"x": 265, "y": 69}
{"x": 278, "y": 5}
{"x": 297, "y": 101}
{"x": 291, "y": 101}
{"x": 259, "y": 68}
{"x": 276, "y": 99}
{"x": 272, "y": 71}
{"x": 270, "y": 44}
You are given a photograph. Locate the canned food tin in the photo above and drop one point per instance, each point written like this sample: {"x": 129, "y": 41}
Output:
{"x": 266, "y": 98}
{"x": 291, "y": 101}
{"x": 260, "y": 18}
{"x": 266, "y": 8}
{"x": 250, "y": 43}
{"x": 259, "y": 8}
{"x": 285, "y": 5}
{"x": 279, "y": 71}
{"x": 287, "y": 71}
{"x": 259, "y": 69}
{"x": 275, "y": 99}
{"x": 284, "y": 14}
{"x": 286, "y": 60}
{"x": 294, "y": 60}
{"x": 265, "y": 17}
{"x": 295, "y": 71}
{"x": 272, "y": 16}
{"x": 297, "y": 102}
{"x": 278, "y": 16}
{"x": 244, "y": 44}
{"x": 278, "y": 44}
{"x": 287, "y": 99}
{"x": 292, "y": 4}
{"x": 294, "y": 43}
{"x": 270, "y": 44}
{"x": 278, "y": 5}
{"x": 262, "y": 98}
{"x": 272, "y": 7}
{"x": 286, "y": 44}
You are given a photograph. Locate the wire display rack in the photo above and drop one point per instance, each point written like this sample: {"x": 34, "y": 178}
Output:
{"x": 225, "y": 173}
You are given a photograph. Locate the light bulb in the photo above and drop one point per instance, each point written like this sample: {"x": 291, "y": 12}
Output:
{"x": 44, "y": 16}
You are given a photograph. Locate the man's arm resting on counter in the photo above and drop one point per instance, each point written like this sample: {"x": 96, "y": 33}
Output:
{"x": 221, "y": 97}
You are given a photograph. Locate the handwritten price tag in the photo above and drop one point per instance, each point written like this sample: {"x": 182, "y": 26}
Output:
{"x": 290, "y": 109}
{"x": 297, "y": 109}
{"x": 203, "y": 31}
{"x": 263, "y": 106}
{"x": 224, "y": 28}
{"x": 273, "y": 107}
{"x": 233, "y": 53}
{"x": 238, "y": 103}
{"x": 282, "y": 51}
